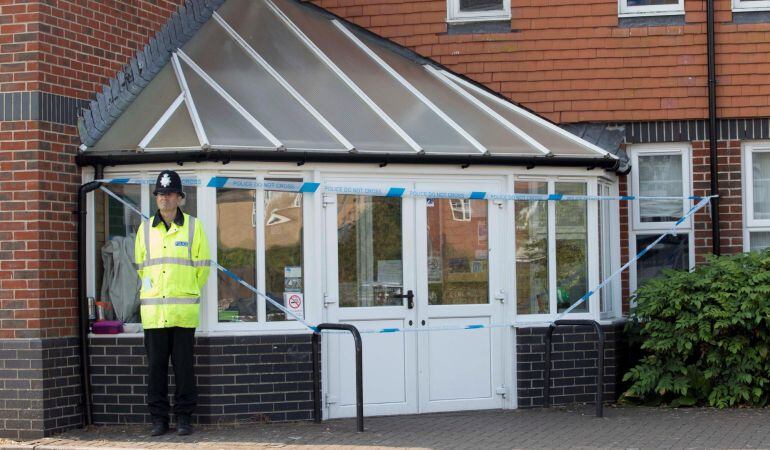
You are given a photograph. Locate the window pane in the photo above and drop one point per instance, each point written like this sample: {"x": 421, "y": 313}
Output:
{"x": 236, "y": 251}
{"x": 116, "y": 224}
{"x": 606, "y": 294}
{"x": 761, "y": 184}
{"x": 458, "y": 266}
{"x": 571, "y": 248}
{"x": 660, "y": 176}
{"x": 532, "y": 250}
{"x": 652, "y": 2}
{"x": 283, "y": 249}
{"x": 369, "y": 248}
{"x": 670, "y": 253}
{"x": 759, "y": 240}
{"x": 480, "y": 5}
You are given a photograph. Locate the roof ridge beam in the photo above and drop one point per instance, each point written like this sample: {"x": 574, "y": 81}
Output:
{"x": 410, "y": 87}
{"x": 534, "y": 117}
{"x": 229, "y": 99}
{"x": 284, "y": 83}
{"x": 350, "y": 83}
{"x": 489, "y": 111}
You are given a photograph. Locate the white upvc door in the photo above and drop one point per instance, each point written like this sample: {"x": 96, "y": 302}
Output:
{"x": 369, "y": 265}
{"x": 458, "y": 278}
{"x": 445, "y": 253}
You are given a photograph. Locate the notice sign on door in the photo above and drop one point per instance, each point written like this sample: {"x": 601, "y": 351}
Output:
{"x": 295, "y": 302}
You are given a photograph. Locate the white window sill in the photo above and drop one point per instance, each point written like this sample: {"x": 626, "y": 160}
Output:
{"x": 751, "y": 9}
{"x": 472, "y": 19}
{"x": 651, "y": 13}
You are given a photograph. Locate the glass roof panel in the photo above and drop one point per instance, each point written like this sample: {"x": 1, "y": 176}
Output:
{"x": 494, "y": 136}
{"x": 559, "y": 145}
{"x": 142, "y": 114}
{"x": 420, "y": 122}
{"x": 224, "y": 126}
{"x": 257, "y": 91}
{"x": 311, "y": 77}
{"x": 178, "y": 131}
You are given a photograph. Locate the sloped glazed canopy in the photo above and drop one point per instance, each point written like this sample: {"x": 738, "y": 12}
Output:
{"x": 276, "y": 75}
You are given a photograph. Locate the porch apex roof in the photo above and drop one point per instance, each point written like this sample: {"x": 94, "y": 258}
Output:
{"x": 278, "y": 75}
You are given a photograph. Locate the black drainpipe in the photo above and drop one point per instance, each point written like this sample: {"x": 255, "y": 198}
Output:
{"x": 712, "y": 80}
{"x": 85, "y": 367}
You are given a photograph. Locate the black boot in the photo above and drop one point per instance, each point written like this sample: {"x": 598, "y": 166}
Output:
{"x": 159, "y": 428}
{"x": 183, "y": 426}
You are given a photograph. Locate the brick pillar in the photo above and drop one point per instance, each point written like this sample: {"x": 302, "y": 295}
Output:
{"x": 730, "y": 201}
{"x": 52, "y": 58}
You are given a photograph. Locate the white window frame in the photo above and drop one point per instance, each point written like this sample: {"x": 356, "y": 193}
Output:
{"x": 749, "y": 223}
{"x": 743, "y": 5}
{"x": 636, "y": 228}
{"x": 461, "y": 209}
{"x": 653, "y": 10}
{"x": 455, "y": 15}
{"x": 210, "y": 315}
{"x": 592, "y": 253}
{"x": 682, "y": 150}
{"x": 610, "y": 234}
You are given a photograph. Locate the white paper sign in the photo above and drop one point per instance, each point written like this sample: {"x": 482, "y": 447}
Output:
{"x": 295, "y": 303}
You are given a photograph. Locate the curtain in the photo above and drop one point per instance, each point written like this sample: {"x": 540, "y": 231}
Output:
{"x": 660, "y": 176}
{"x": 761, "y": 185}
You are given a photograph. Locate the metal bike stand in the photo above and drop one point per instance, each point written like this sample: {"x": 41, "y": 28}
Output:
{"x": 317, "y": 370}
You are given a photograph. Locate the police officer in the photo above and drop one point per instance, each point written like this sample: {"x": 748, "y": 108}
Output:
{"x": 173, "y": 258}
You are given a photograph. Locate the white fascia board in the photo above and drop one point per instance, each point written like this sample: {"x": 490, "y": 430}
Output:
{"x": 489, "y": 111}
{"x": 229, "y": 99}
{"x": 284, "y": 83}
{"x": 189, "y": 102}
{"x": 350, "y": 83}
{"x": 162, "y": 121}
{"x": 416, "y": 92}
{"x": 534, "y": 117}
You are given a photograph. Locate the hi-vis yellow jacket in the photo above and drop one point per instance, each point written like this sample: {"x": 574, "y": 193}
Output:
{"x": 173, "y": 266}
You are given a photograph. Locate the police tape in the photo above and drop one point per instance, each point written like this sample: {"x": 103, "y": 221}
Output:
{"x": 703, "y": 202}
{"x": 393, "y": 191}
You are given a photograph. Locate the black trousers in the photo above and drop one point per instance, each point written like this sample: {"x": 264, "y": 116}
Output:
{"x": 176, "y": 343}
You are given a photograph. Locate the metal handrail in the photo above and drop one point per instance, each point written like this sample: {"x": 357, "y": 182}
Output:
{"x": 317, "y": 370}
{"x": 599, "y": 360}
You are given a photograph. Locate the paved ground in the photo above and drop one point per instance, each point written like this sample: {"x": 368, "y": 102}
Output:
{"x": 623, "y": 427}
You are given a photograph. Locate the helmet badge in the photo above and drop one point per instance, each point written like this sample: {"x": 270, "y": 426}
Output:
{"x": 165, "y": 180}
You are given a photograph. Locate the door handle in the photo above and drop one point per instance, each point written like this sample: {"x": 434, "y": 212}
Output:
{"x": 409, "y": 296}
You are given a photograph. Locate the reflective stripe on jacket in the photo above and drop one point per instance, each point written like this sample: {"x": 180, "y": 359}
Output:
{"x": 173, "y": 267}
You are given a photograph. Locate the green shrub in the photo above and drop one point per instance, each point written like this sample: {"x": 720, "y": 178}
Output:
{"x": 705, "y": 335}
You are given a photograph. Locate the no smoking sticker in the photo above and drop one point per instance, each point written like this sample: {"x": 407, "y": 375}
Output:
{"x": 294, "y": 301}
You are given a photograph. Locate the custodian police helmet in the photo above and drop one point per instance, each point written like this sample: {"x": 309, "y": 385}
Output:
{"x": 168, "y": 182}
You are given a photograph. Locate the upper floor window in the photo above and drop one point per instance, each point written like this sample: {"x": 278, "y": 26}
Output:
{"x": 478, "y": 10}
{"x": 751, "y": 5}
{"x": 653, "y": 7}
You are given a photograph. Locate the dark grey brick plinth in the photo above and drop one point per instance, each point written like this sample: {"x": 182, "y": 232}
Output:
{"x": 240, "y": 379}
{"x": 39, "y": 387}
{"x": 573, "y": 365}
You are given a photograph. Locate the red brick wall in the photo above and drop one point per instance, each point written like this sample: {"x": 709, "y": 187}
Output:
{"x": 67, "y": 48}
{"x": 730, "y": 197}
{"x": 569, "y": 60}
{"x": 71, "y": 47}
